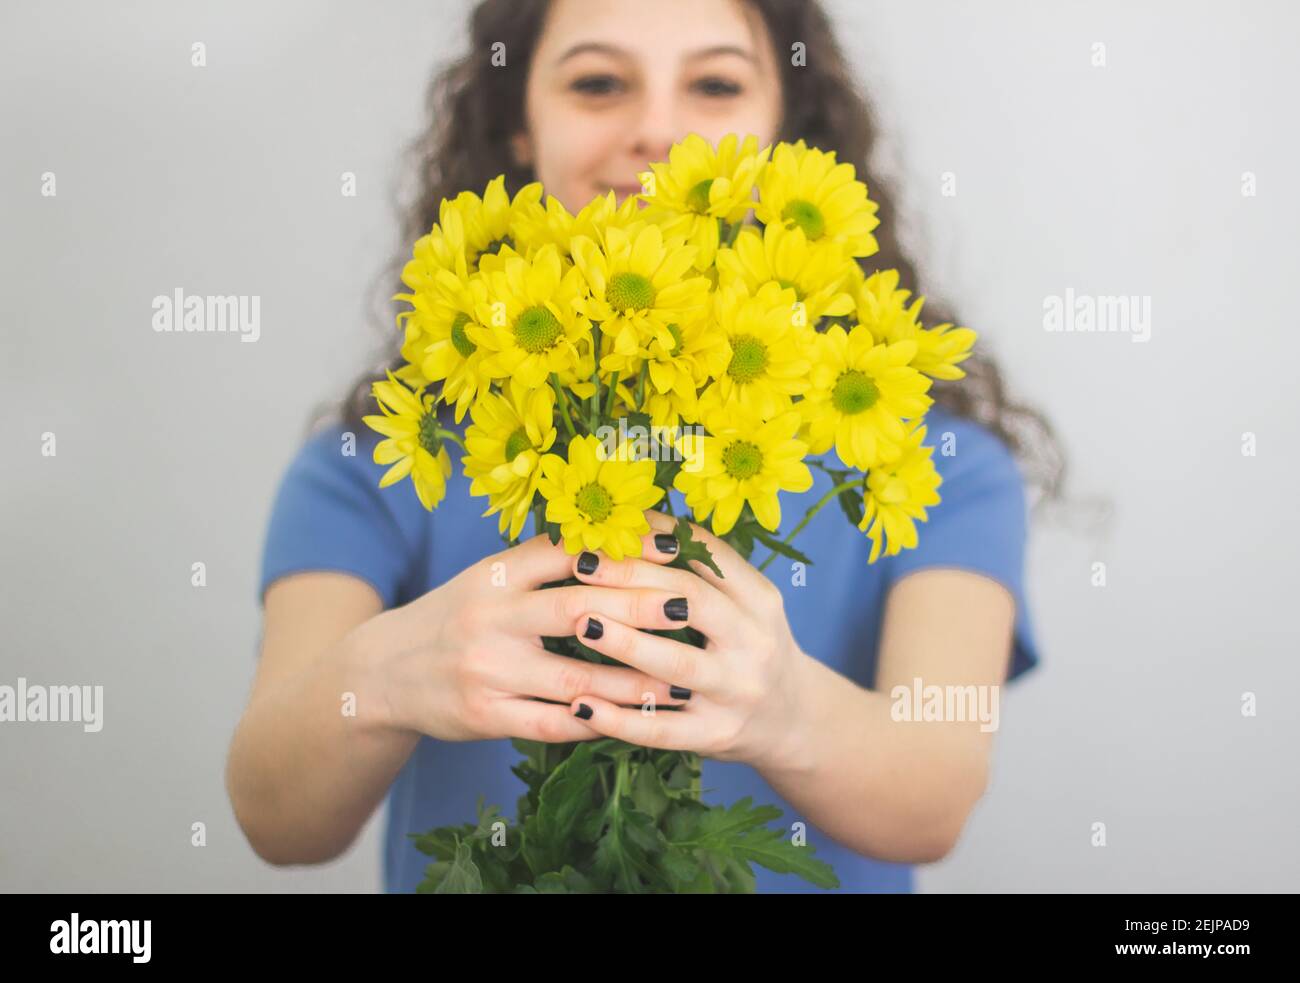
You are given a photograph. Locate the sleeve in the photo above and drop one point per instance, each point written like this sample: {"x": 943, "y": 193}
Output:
{"x": 980, "y": 523}
{"x": 330, "y": 514}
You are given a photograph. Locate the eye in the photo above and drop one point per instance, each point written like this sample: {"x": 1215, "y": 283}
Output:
{"x": 597, "y": 85}
{"x": 716, "y": 87}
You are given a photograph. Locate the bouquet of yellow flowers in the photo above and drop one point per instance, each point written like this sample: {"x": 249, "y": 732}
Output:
{"x": 669, "y": 341}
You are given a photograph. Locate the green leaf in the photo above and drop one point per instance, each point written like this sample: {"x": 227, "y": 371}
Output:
{"x": 564, "y": 798}
{"x": 852, "y": 504}
{"x": 648, "y": 792}
{"x": 780, "y": 546}
{"x": 691, "y": 549}
{"x": 738, "y": 833}
{"x": 461, "y": 875}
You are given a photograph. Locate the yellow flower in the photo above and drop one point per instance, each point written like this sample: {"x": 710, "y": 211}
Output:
{"x": 883, "y": 308}
{"x": 638, "y": 285}
{"x": 897, "y": 494}
{"x": 527, "y": 323}
{"x": 807, "y": 189}
{"x": 742, "y": 459}
{"x": 504, "y": 446}
{"x": 820, "y": 275}
{"x": 482, "y": 225}
{"x": 699, "y": 186}
{"x": 537, "y": 226}
{"x": 675, "y": 374}
{"x": 413, "y": 446}
{"x": 861, "y": 394}
{"x": 437, "y": 336}
{"x": 765, "y": 360}
{"x": 599, "y": 501}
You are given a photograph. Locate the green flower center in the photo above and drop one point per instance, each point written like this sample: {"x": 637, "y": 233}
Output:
{"x": 459, "y": 339}
{"x": 594, "y": 501}
{"x": 697, "y": 199}
{"x": 854, "y": 392}
{"x": 748, "y": 358}
{"x": 629, "y": 292}
{"x": 429, "y": 438}
{"x": 806, "y": 215}
{"x": 742, "y": 459}
{"x": 517, "y": 443}
{"x": 537, "y": 329}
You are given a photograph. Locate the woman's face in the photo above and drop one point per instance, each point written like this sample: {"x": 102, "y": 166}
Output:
{"x": 615, "y": 83}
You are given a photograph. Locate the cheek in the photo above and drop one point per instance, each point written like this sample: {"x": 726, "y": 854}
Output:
{"x": 573, "y": 151}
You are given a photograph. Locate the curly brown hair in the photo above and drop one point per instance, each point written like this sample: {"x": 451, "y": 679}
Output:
{"x": 475, "y": 107}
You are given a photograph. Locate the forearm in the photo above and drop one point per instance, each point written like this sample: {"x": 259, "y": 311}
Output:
{"x": 896, "y": 791}
{"x": 305, "y": 771}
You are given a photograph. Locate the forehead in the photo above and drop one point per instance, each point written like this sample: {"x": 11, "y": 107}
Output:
{"x": 662, "y": 31}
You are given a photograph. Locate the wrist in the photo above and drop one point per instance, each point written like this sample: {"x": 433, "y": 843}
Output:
{"x": 365, "y": 658}
{"x": 790, "y": 751}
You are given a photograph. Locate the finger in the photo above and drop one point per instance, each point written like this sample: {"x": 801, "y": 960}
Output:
{"x": 561, "y": 678}
{"x": 740, "y": 580}
{"x": 533, "y": 562}
{"x": 683, "y": 667}
{"x": 531, "y": 720}
{"x": 711, "y": 611}
{"x": 556, "y": 610}
{"x": 671, "y": 730}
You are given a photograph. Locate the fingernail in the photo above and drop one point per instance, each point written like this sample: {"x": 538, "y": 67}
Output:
{"x": 675, "y": 609}
{"x": 594, "y": 629}
{"x": 587, "y": 562}
{"x": 679, "y": 692}
{"x": 666, "y": 542}
{"x": 583, "y": 712}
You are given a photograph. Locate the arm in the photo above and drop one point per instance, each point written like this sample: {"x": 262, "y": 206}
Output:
{"x": 303, "y": 778}
{"x": 899, "y": 790}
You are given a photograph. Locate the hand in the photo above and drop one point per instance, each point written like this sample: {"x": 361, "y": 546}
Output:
{"x": 465, "y": 661}
{"x": 744, "y": 683}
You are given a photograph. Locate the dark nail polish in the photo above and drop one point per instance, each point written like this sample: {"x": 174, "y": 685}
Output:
{"x": 679, "y": 692}
{"x": 675, "y": 609}
{"x": 594, "y": 629}
{"x": 666, "y": 542}
{"x": 584, "y": 712}
{"x": 587, "y": 562}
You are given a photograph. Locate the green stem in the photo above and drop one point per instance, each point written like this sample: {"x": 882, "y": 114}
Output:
{"x": 563, "y": 400}
{"x": 845, "y": 486}
{"x": 640, "y": 387}
{"x": 595, "y": 377}
{"x": 613, "y": 391}
{"x": 455, "y": 438}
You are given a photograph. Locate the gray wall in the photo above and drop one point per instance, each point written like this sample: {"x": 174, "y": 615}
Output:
{"x": 1122, "y": 179}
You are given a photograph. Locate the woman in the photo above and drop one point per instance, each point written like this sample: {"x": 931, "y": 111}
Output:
{"x": 374, "y": 604}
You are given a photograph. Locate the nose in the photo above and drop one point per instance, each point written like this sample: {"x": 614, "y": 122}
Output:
{"x": 658, "y": 128}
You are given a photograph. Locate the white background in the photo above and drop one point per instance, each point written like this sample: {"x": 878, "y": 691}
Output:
{"x": 1124, "y": 179}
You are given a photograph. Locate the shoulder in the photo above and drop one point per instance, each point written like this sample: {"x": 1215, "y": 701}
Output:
{"x": 981, "y": 520}
{"x": 329, "y": 513}
{"x": 969, "y": 455}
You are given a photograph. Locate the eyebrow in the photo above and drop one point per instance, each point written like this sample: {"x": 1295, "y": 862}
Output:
{"x": 617, "y": 52}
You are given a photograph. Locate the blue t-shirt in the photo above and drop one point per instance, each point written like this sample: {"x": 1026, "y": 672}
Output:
{"x": 330, "y": 514}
